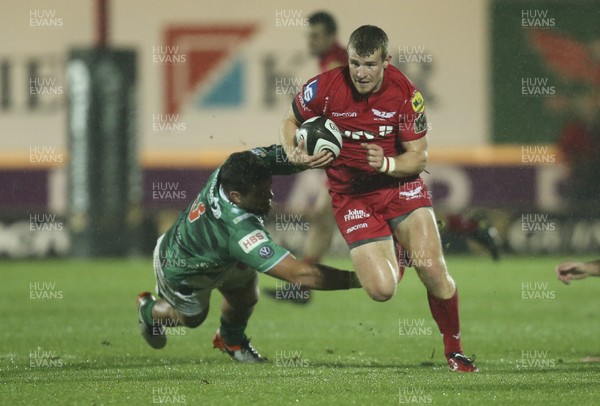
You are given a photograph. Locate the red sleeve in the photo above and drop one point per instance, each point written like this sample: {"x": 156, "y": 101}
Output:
{"x": 413, "y": 122}
{"x": 308, "y": 102}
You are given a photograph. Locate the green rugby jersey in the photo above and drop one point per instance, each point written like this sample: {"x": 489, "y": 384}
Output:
{"x": 212, "y": 233}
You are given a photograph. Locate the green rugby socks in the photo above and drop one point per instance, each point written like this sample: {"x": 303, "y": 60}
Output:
{"x": 147, "y": 312}
{"x": 232, "y": 334}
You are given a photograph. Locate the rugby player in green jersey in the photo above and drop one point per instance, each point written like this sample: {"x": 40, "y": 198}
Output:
{"x": 220, "y": 242}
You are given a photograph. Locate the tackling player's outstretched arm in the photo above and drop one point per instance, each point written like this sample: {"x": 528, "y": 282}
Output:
{"x": 313, "y": 276}
{"x": 411, "y": 162}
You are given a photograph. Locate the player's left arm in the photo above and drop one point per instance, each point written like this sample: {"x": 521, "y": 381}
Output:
{"x": 313, "y": 276}
{"x": 411, "y": 162}
{"x": 253, "y": 246}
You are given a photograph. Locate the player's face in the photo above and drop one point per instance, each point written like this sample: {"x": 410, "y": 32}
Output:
{"x": 319, "y": 41}
{"x": 258, "y": 199}
{"x": 367, "y": 71}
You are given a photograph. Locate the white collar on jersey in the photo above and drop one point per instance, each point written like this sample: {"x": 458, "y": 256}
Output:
{"x": 224, "y": 196}
{"x": 238, "y": 208}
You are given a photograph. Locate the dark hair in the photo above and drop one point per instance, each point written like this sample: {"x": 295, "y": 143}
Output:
{"x": 367, "y": 39}
{"x": 241, "y": 171}
{"x": 323, "y": 17}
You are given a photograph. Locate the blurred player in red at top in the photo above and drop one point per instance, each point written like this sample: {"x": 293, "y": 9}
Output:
{"x": 323, "y": 44}
{"x": 375, "y": 186}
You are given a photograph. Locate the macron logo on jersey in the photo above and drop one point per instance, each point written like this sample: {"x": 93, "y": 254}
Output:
{"x": 252, "y": 240}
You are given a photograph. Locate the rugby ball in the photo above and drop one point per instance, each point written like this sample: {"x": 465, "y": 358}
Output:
{"x": 320, "y": 134}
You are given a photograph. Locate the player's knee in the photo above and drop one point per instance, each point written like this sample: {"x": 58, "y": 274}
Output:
{"x": 381, "y": 293}
{"x": 195, "y": 320}
{"x": 245, "y": 301}
{"x": 381, "y": 297}
{"x": 249, "y": 300}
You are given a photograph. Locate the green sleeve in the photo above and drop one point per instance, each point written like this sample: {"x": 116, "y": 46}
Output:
{"x": 252, "y": 245}
{"x": 276, "y": 158}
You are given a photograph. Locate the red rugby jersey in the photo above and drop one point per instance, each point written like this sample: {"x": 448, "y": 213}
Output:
{"x": 393, "y": 114}
{"x": 334, "y": 57}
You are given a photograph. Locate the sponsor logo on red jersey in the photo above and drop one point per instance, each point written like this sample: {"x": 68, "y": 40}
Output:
{"x": 383, "y": 115}
{"x": 356, "y": 214}
{"x": 412, "y": 190}
{"x": 356, "y": 227}
{"x": 344, "y": 114}
{"x": 417, "y": 102}
{"x": 310, "y": 90}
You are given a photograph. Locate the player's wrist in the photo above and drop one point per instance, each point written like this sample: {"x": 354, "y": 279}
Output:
{"x": 389, "y": 165}
{"x": 354, "y": 281}
{"x": 295, "y": 156}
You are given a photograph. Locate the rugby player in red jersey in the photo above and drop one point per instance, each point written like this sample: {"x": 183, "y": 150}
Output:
{"x": 376, "y": 190}
{"x": 323, "y": 42}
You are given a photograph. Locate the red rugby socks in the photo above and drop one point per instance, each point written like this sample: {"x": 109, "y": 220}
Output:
{"x": 445, "y": 314}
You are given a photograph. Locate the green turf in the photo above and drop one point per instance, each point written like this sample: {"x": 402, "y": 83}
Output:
{"x": 343, "y": 348}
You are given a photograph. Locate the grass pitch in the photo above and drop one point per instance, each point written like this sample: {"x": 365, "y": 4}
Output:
{"x": 70, "y": 336}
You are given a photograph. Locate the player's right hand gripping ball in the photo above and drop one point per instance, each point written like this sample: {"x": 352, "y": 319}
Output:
{"x": 320, "y": 134}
